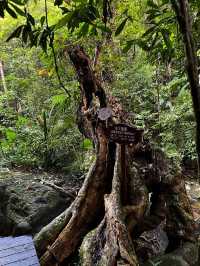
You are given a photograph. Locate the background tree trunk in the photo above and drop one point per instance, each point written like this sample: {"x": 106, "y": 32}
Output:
{"x": 181, "y": 8}
{"x": 2, "y": 76}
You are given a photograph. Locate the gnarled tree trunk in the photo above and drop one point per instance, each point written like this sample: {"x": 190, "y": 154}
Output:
{"x": 115, "y": 195}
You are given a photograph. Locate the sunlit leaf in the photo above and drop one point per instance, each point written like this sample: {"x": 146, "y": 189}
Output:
{"x": 10, "y": 135}
{"x": 59, "y": 99}
{"x": 87, "y": 144}
{"x": 18, "y": 10}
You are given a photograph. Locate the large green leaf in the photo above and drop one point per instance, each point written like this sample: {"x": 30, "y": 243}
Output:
{"x": 42, "y": 20}
{"x": 43, "y": 39}
{"x": 18, "y": 10}
{"x": 11, "y": 12}
{"x": 30, "y": 19}
{"x": 149, "y": 31}
{"x": 18, "y": 2}
{"x": 16, "y": 33}
{"x": 121, "y": 27}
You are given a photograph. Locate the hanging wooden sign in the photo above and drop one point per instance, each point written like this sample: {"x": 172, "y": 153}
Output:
{"x": 124, "y": 134}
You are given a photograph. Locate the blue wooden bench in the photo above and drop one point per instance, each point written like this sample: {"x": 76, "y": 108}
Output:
{"x": 18, "y": 251}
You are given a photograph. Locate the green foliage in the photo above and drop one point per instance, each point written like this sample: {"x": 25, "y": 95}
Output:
{"x": 141, "y": 63}
{"x": 37, "y": 126}
{"x": 121, "y": 26}
{"x": 86, "y": 144}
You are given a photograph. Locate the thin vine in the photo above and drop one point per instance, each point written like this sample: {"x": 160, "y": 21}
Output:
{"x": 51, "y": 45}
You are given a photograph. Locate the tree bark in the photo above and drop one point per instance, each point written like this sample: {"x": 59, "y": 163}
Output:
{"x": 64, "y": 236}
{"x": 2, "y": 76}
{"x": 85, "y": 211}
{"x": 181, "y": 8}
{"x": 111, "y": 243}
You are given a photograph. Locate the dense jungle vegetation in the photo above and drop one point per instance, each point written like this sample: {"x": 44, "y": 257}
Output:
{"x": 108, "y": 88}
{"x": 142, "y": 63}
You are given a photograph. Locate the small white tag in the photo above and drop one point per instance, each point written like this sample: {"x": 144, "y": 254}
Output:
{"x": 104, "y": 113}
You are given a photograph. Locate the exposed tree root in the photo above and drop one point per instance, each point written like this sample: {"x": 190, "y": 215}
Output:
{"x": 82, "y": 214}
{"x": 118, "y": 247}
{"x": 111, "y": 243}
{"x": 66, "y": 193}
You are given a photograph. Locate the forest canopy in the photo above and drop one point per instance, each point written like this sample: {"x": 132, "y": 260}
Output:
{"x": 140, "y": 34}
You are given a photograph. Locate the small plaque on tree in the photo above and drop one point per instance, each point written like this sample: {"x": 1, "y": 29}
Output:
{"x": 124, "y": 134}
{"x": 104, "y": 113}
